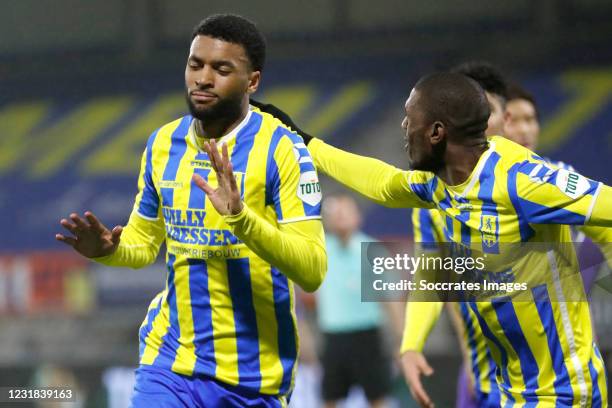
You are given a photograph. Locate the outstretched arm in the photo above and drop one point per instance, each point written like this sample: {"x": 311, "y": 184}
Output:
{"x": 375, "y": 179}
{"x": 135, "y": 245}
{"x": 139, "y": 245}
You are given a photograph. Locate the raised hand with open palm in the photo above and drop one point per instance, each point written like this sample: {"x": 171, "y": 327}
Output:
{"x": 90, "y": 237}
{"x": 226, "y": 197}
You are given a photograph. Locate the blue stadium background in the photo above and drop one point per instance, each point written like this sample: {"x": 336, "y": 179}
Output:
{"x": 75, "y": 144}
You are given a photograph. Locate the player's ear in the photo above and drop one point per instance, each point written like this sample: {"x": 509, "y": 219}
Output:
{"x": 254, "y": 78}
{"x": 437, "y": 133}
{"x": 507, "y": 118}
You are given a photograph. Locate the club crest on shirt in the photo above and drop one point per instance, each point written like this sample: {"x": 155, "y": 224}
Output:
{"x": 488, "y": 229}
{"x": 309, "y": 189}
{"x": 571, "y": 184}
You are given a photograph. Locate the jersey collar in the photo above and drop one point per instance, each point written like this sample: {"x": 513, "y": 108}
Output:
{"x": 476, "y": 173}
{"x": 199, "y": 141}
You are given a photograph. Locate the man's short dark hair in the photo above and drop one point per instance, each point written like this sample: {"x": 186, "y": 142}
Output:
{"x": 456, "y": 100}
{"x": 488, "y": 77}
{"x": 515, "y": 91}
{"x": 238, "y": 30}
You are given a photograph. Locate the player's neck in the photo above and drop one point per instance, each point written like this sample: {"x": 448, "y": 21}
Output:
{"x": 219, "y": 127}
{"x": 460, "y": 161}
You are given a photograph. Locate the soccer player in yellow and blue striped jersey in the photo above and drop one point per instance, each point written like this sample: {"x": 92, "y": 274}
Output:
{"x": 240, "y": 227}
{"x": 476, "y": 385}
{"x": 493, "y": 192}
{"x": 429, "y": 237}
{"x": 428, "y": 228}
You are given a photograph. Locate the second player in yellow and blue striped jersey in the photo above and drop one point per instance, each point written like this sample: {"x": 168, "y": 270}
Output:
{"x": 429, "y": 235}
{"x": 544, "y": 348}
{"x": 428, "y": 228}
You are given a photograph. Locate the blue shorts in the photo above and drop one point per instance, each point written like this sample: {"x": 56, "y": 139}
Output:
{"x": 157, "y": 387}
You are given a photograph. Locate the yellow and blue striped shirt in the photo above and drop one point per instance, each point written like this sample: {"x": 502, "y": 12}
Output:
{"x": 428, "y": 228}
{"x": 225, "y": 312}
{"x": 428, "y": 232}
{"x": 543, "y": 348}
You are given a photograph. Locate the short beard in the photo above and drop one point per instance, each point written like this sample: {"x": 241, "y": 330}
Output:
{"x": 228, "y": 109}
{"x": 435, "y": 162}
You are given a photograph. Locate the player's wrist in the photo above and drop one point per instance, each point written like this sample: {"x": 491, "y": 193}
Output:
{"x": 234, "y": 217}
{"x": 410, "y": 348}
{"x": 236, "y": 208}
{"x": 104, "y": 259}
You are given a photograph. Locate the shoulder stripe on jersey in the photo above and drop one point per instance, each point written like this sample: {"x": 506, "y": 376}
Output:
{"x": 540, "y": 214}
{"x": 273, "y": 181}
{"x": 559, "y": 163}
{"x": 305, "y": 160}
{"x": 562, "y": 383}
{"x": 178, "y": 148}
{"x": 524, "y": 228}
{"x": 272, "y": 176}
{"x": 202, "y": 317}
{"x": 149, "y": 202}
{"x": 305, "y": 165}
{"x": 538, "y": 172}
